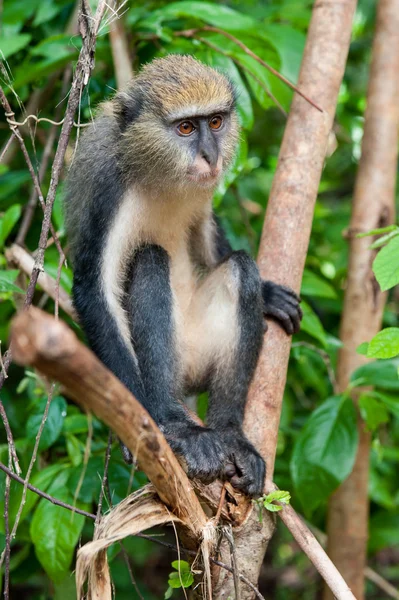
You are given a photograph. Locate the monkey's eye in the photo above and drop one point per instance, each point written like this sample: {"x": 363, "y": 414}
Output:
{"x": 216, "y": 122}
{"x": 185, "y": 128}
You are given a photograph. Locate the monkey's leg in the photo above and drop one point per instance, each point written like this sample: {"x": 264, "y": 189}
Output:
{"x": 280, "y": 302}
{"x": 150, "y": 310}
{"x": 104, "y": 335}
{"x": 231, "y": 329}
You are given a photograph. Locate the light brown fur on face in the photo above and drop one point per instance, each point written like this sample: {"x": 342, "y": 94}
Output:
{"x": 165, "y": 91}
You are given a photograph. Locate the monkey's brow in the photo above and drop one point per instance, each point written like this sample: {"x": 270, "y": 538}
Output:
{"x": 199, "y": 112}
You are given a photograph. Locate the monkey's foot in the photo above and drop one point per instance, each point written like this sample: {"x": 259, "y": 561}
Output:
{"x": 199, "y": 447}
{"x": 245, "y": 468}
{"x": 282, "y": 304}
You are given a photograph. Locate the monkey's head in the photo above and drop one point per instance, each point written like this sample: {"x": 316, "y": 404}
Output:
{"x": 179, "y": 124}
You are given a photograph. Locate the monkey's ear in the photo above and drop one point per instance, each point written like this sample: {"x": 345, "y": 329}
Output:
{"x": 127, "y": 107}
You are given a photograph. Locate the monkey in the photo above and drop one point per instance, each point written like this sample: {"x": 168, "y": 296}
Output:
{"x": 163, "y": 300}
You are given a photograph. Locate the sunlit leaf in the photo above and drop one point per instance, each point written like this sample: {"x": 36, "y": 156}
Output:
{"x": 325, "y": 451}
{"x": 386, "y": 265}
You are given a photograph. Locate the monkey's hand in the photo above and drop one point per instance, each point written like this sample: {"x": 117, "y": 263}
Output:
{"x": 282, "y": 304}
{"x": 199, "y": 448}
{"x": 245, "y": 468}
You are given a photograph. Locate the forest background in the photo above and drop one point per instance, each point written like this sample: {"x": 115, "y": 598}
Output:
{"x": 318, "y": 437}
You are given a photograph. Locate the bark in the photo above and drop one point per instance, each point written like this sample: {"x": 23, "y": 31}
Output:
{"x": 48, "y": 345}
{"x": 288, "y": 223}
{"x": 19, "y": 257}
{"x": 289, "y": 215}
{"x": 120, "y": 53}
{"x": 373, "y": 206}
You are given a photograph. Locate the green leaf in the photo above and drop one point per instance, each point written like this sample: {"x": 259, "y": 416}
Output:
{"x": 91, "y": 485}
{"x": 182, "y": 565}
{"x": 55, "y": 533}
{"x": 214, "y": 14}
{"x": 279, "y": 495}
{"x": 7, "y": 222}
{"x": 387, "y": 229}
{"x": 12, "y": 182}
{"x": 47, "y": 10}
{"x": 372, "y": 411}
{"x": 12, "y": 44}
{"x": 42, "y": 480}
{"x": 385, "y": 344}
{"x": 386, "y": 265}
{"x": 383, "y": 529}
{"x": 6, "y": 279}
{"x": 75, "y": 424}
{"x": 383, "y": 375}
{"x": 272, "y": 507}
{"x": 289, "y": 43}
{"x": 74, "y": 449}
{"x": 314, "y": 285}
{"x": 311, "y": 324}
{"x": 184, "y": 579}
{"x": 384, "y": 239}
{"x": 362, "y": 348}
{"x": 53, "y": 426}
{"x": 168, "y": 593}
{"x": 391, "y": 401}
{"x": 19, "y": 11}
{"x": 325, "y": 451}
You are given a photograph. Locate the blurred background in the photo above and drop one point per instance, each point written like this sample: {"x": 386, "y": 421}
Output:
{"x": 40, "y": 44}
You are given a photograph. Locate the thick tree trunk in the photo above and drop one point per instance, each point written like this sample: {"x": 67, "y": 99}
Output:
{"x": 287, "y": 229}
{"x": 288, "y": 221}
{"x": 373, "y": 206}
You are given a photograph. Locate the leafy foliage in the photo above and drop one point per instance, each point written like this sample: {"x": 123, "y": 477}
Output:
{"x": 317, "y": 440}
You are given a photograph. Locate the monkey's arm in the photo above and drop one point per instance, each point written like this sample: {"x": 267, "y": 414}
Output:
{"x": 280, "y": 302}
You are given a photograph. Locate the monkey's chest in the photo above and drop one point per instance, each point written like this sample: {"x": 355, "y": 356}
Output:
{"x": 182, "y": 280}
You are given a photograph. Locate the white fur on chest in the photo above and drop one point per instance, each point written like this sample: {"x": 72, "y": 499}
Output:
{"x": 139, "y": 221}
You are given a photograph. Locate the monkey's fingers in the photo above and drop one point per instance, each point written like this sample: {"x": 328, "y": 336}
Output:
{"x": 289, "y": 318}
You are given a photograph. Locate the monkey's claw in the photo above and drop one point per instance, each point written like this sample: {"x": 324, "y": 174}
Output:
{"x": 245, "y": 468}
{"x": 199, "y": 447}
{"x": 282, "y": 304}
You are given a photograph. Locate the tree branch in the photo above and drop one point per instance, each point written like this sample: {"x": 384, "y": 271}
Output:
{"x": 373, "y": 207}
{"x": 25, "y": 261}
{"x": 289, "y": 214}
{"x": 88, "y": 26}
{"x": 48, "y": 345}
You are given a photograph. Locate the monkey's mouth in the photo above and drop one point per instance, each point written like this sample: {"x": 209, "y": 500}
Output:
{"x": 209, "y": 178}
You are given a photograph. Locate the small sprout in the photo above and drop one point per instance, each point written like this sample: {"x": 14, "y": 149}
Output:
{"x": 266, "y": 501}
{"x": 182, "y": 577}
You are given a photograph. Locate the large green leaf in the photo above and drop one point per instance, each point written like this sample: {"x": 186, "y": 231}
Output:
{"x": 53, "y": 426}
{"x": 381, "y": 374}
{"x": 14, "y": 43}
{"x": 290, "y": 44}
{"x": 391, "y": 401}
{"x": 55, "y": 533}
{"x": 385, "y": 344}
{"x": 373, "y": 411}
{"x": 384, "y": 527}
{"x": 325, "y": 451}
{"x": 213, "y": 14}
{"x": 314, "y": 285}
{"x": 6, "y": 281}
{"x": 312, "y": 324}
{"x": 7, "y": 222}
{"x": 386, "y": 265}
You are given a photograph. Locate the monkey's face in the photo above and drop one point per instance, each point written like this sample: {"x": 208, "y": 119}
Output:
{"x": 179, "y": 124}
{"x": 190, "y": 151}
{"x": 206, "y": 144}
